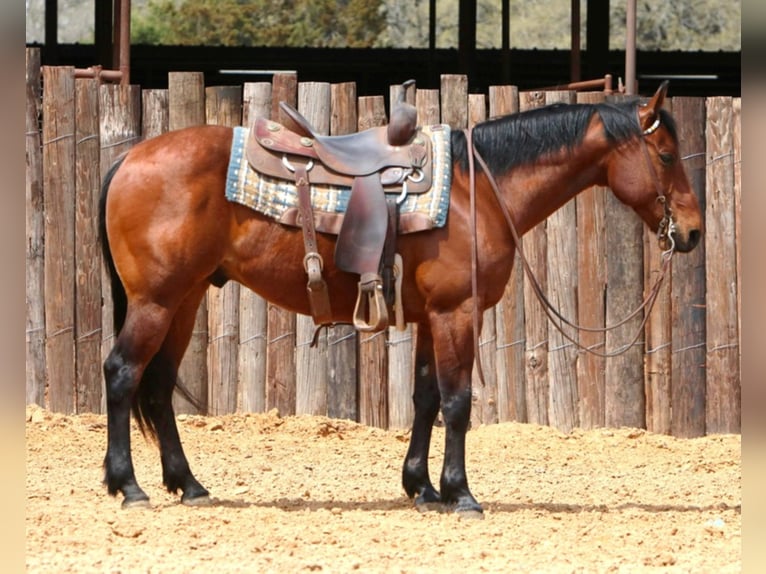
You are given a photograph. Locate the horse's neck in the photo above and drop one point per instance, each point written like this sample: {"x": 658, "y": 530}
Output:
{"x": 535, "y": 192}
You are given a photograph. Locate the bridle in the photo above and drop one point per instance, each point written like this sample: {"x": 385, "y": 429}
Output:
{"x": 665, "y": 235}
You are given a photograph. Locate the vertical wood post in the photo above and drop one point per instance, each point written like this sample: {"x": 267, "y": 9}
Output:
{"x": 536, "y": 323}
{"x": 253, "y": 314}
{"x": 311, "y": 362}
{"x": 342, "y": 340}
{"x": 509, "y": 313}
{"x": 186, "y": 100}
{"x": 591, "y": 292}
{"x": 223, "y": 106}
{"x": 373, "y": 355}
{"x": 688, "y": 330}
{"x": 87, "y": 248}
{"x": 119, "y": 129}
{"x": 35, "y": 236}
{"x": 723, "y": 409}
{"x": 563, "y": 407}
{"x": 280, "y": 353}
{"x": 59, "y": 190}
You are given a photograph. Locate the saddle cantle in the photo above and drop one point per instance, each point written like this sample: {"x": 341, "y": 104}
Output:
{"x": 370, "y": 165}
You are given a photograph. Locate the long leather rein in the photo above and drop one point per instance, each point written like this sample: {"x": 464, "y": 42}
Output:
{"x": 667, "y": 229}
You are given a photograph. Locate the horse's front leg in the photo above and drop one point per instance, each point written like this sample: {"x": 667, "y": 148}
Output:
{"x": 415, "y": 477}
{"x": 454, "y": 355}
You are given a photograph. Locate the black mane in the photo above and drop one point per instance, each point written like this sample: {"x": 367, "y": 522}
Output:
{"x": 521, "y": 139}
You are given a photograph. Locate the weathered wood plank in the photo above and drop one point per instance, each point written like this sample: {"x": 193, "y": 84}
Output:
{"x": 119, "y": 129}
{"x": 223, "y": 106}
{"x": 561, "y": 255}
{"x": 154, "y": 113}
{"x": 35, "y": 236}
{"x": 624, "y": 395}
{"x": 509, "y": 312}
{"x": 87, "y": 248}
{"x": 688, "y": 330}
{"x": 59, "y": 191}
{"x": 454, "y": 100}
{"x": 253, "y": 309}
{"x": 373, "y": 354}
{"x": 342, "y": 340}
{"x": 401, "y": 347}
{"x": 484, "y": 395}
{"x": 312, "y": 362}
{"x": 591, "y": 291}
{"x": 186, "y": 101}
{"x": 536, "y": 323}
{"x": 427, "y": 105}
{"x": 280, "y": 353}
{"x": 723, "y": 409}
{"x": 657, "y": 358}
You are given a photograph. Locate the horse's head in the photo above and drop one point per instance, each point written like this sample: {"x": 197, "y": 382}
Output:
{"x": 647, "y": 173}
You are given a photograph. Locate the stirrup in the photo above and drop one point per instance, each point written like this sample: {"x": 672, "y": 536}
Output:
{"x": 370, "y": 312}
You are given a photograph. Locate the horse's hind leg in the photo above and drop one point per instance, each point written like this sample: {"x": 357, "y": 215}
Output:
{"x": 156, "y": 402}
{"x": 140, "y": 337}
{"x": 415, "y": 478}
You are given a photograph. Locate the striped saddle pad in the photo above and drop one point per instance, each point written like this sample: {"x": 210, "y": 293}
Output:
{"x": 278, "y": 198}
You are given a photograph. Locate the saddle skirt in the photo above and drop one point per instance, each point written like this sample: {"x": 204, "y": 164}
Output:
{"x": 277, "y": 198}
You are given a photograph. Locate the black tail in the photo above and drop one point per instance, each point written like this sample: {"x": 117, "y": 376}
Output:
{"x": 118, "y": 291}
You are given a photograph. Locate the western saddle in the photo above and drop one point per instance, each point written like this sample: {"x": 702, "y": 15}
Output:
{"x": 381, "y": 166}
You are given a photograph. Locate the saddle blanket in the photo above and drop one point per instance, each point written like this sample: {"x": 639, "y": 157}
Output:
{"x": 278, "y": 198}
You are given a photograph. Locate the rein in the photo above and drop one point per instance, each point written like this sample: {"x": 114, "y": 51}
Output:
{"x": 667, "y": 229}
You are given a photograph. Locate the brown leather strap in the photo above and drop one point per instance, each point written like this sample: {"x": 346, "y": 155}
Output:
{"x": 312, "y": 262}
{"x": 474, "y": 255}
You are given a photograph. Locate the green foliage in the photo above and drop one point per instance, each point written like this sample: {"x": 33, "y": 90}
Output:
{"x": 319, "y": 23}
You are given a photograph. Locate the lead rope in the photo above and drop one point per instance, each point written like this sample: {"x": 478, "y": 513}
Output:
{"x": 665, "y": 232}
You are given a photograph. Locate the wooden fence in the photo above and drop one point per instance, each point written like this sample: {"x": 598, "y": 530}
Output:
{"x": 593, "y": 256}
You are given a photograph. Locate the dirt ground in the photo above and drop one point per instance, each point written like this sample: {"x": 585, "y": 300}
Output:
{"x": 311, "y": 494}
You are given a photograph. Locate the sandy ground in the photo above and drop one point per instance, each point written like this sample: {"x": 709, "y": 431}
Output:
{"x": 311, "y": 494}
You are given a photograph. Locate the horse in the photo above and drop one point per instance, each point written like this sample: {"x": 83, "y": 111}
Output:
{"x": 168, "y": 233}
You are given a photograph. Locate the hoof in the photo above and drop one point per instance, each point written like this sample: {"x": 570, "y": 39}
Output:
{"x": 423, "y": 506}
{"x": 470, "y": 514}
{"x": 136, "y": 503}
{"x": 203, "y": 500}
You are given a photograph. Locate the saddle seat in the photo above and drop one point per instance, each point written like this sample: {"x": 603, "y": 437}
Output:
{"x": 356, "y": 154}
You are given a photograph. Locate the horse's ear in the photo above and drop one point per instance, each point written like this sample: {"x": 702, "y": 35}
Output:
{"x": 650, "y": 112}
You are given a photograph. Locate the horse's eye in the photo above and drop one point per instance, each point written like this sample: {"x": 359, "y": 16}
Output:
{"x": 666, "y": 158}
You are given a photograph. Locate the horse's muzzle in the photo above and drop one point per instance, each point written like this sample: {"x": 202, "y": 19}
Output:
{"x": 687, "y": 242}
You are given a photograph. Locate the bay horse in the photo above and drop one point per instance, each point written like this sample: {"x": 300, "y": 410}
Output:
{"x": 168, "y": 233}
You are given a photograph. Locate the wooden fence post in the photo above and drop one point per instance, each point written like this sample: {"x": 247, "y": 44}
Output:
{"x": 342, "y": 340}
{"x": 311, "y": 362}
{"x": 536, "y": 323}
{"x": 624, "y": 399}
{"x": 723, "y": 409}
{"x": 591, "y": 291}
{"x": 280, "y": 352}
{"x": 223, "y": 106}
{"x": 561, "y": 256}
{"x": 509, "y": 312}
{"x": 87, "y": 248}
{"x": 59, "y": 190}
{"x": 119, "y": 129}
{"x": 688, "y": 331}
{"x": 253, "y": 309}
{"x": 35, "y": 235}
{"x": 186, "y": 101}
{"x": 401, "y": 348}
{"x": 373, "y": 355}
{"x": 484, "y": 395}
